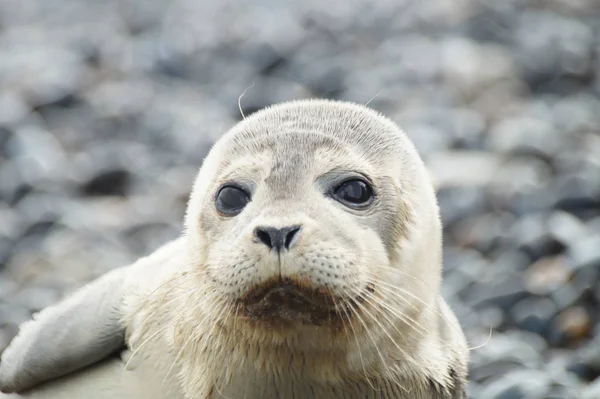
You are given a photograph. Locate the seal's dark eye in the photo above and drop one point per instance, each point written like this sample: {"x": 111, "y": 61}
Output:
{"x": 231, "y": 200}
{"x": 355, "y": 193}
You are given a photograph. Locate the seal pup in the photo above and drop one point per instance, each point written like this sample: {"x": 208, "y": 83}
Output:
{"x": 310, "y": 267}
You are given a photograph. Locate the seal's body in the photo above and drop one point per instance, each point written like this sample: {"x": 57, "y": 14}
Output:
{"x": 310, "y": 267}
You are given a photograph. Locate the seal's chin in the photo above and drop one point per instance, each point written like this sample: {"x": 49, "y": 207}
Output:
{"x": 291, "y": 301}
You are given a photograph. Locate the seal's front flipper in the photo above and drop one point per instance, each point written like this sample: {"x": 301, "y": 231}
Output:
{"x": 75, "y": 333}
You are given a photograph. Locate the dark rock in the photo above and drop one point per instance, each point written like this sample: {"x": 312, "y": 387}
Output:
{"x": 578, "y": 196}
{"x": 504, "y": 293}
{"x": 5, "y": 138}
{"x": 566, "y": 228}
{"x": 569, "y": 294}
{"x": 533, "y": 238}
{"x": 490, "y": 370}
{"x": 533, "y": 314}
{"x": 559, "y": 49}
{"x": 41, "y": 227}
{"x": 5, "y": 251}
{"x": 505, "y": 353}
{"x": 584, "y": 371}
{"x": 457, "y": 203}
{"x": 145, "y": 237}
{"x": 112, "y": 182}
{"x": 66, "y": 100}
{"x": 586, "y": 361}
{"x": 485, "y": 233}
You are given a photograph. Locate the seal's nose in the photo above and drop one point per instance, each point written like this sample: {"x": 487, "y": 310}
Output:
{"x": 278, "y": 239}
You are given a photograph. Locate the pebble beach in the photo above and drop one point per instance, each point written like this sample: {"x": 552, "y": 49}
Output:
{"x": 107, "y": 110}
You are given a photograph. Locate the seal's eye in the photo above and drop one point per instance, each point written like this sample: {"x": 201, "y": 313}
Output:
{"x": 354, "y": 193}
{"x": 231, "y": 200}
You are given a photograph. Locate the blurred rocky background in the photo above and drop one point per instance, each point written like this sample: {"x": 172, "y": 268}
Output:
{"x": 107, "y": 109}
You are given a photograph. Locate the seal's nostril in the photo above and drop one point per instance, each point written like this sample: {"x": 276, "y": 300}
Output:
{"x": 278, "y": 239}
{"x": 263, "y": 236}
{"x": 290, "y": 236}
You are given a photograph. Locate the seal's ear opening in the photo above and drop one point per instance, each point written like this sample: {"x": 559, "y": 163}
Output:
{"x": 78, "y": 332}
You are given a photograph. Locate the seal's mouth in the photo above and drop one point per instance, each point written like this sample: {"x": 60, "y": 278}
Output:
{"x": 292, "y": 300}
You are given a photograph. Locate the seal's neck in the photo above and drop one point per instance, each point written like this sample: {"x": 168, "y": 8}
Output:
{"x": 223, "y": 361}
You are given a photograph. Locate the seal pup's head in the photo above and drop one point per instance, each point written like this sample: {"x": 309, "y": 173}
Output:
{"x": 314, "y": 224}
{"x": 305, "y": 209}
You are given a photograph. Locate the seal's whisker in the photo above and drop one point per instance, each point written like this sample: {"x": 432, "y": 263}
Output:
{"x": 193, "y": 336}
{"x": 221, "y": 393}
{"x": 397, "y": 290}
{"x": 487, "y": 341}
{"x": 227, "y": 309}
{"x": 415, "y": 325}
{"x": 169, "y": 281}
{"x": 383, "y": 328}
{"x": 236, "y": 313}
{"x": 372, "y": 299}
{"x": 402, "y": 316}
{"x": 386, "y": 368}
{"x": 389, "y": 288}
{"x": 240, "y": 99}
{"x": 379, "y": 253}
{"x": 386, "y": 316}
{"x": 136, "y": 350}
{"x": 362, "y": 361}
{"x": 373, "y": 98}
{"x": 149, "y": 339}
{"x": 143, "y": 322}
{"x": 404, "y": 273}
{"x": 368, "y": 331}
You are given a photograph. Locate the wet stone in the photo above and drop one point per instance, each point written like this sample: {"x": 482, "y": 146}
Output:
{"x": 585, "y": 253}
{"x": 570, "y": 326}
{"x": 547, "y": 275}
{"x": 13, "y": 314}
{"x": 108, "y": 183}
{"x": 534, "y": 314}
{"x": 503, "y": 294}
{"x": 585, "y": 363}
{"x": 592, "y": 391}
{"x": 35, "y": 299}
{"x": 534, "y": 239}
{"x": 520, "y": 384}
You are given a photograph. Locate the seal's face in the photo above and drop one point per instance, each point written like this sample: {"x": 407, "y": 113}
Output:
{"x": 306, "y": 215}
